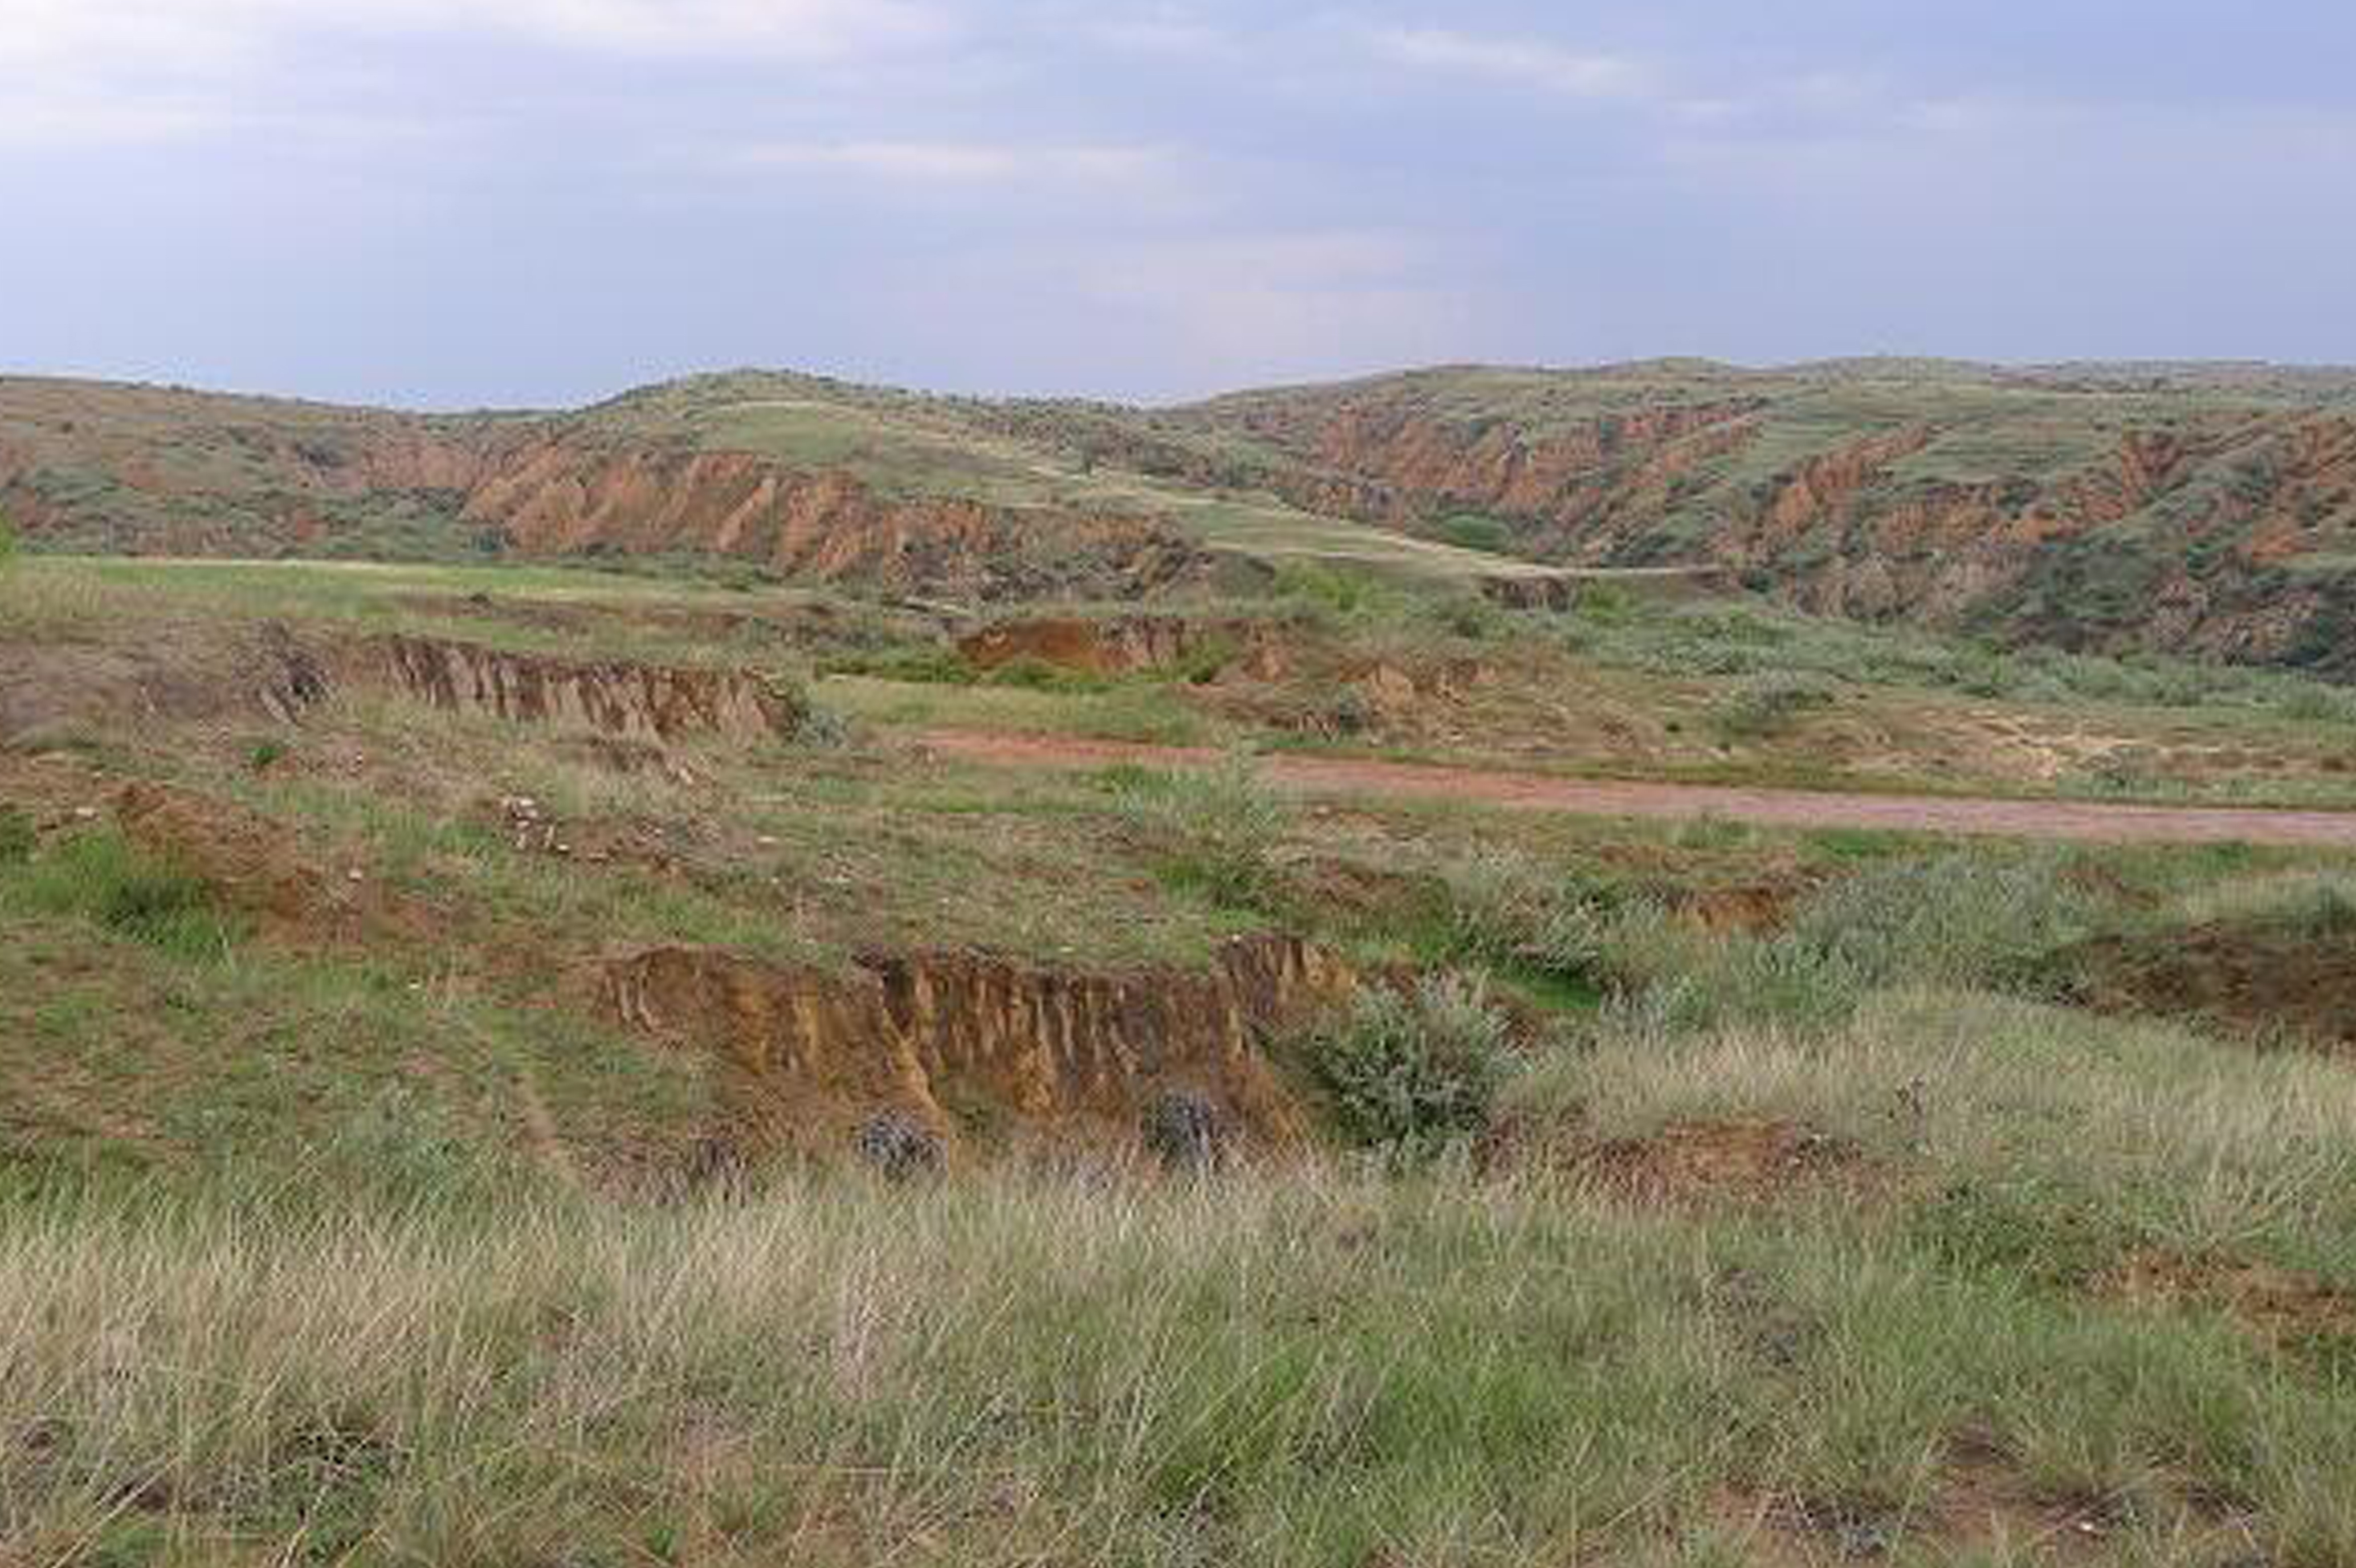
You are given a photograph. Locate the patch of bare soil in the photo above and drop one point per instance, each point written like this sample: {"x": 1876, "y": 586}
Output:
{"x": 1735, "y": 1160}
{"x": 2272, "y": 983}
{"x": 1978, "y": 1505}
{"x": 529, "y": 826}
{"x": 52, "y": 692}
{"x": 2274, "y": 1304}
{"x": 982, "y": 1051}
{"x": 259, "y": 868}
{"x": 1131, "y": 644}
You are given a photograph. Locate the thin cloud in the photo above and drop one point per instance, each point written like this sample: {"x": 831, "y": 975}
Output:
{"x": 963, "y": 162}
{"x": 209, "y": 32}
{"x": 1307, "y": 303}
{"x": 86, "y": 71}
{"x": 1529, "y": 62}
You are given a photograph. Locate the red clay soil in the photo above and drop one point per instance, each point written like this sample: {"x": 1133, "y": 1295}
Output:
{"x": 1687, "y": 802}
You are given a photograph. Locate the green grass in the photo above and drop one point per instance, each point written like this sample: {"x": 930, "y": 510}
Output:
{"x": 386, "y": 1245}
{"x": 104, "y": 878}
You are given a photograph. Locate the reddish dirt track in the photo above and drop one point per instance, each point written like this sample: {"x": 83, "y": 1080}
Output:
{"x": 1685, "y": 802}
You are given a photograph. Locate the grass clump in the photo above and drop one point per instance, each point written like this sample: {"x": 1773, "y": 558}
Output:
{"x": 1508, "y": 911}
{"x": 1767, "y": 706}
{"x": 1414, "y": 1073}
{"x": 1971, "y": 919}
{"x": 18, "y": 836}
{"x": 104, "y": 878}
{"x": 1215, "y": 833}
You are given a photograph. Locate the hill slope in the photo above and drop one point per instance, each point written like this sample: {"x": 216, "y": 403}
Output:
{"x": 2207, "y": 510}
{"x": 802, "y": 476}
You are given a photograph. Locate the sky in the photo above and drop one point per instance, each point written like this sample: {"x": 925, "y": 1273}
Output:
{"x": 467, "y": 203}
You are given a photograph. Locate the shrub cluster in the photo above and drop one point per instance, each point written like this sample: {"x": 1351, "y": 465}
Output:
{"x": 1413, "y": 1073}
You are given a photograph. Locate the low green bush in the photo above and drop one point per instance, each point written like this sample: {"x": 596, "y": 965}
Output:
{"x": 1414, "y": 1073}
{"x": 1029, "y": 673}
{"x": 1476, "y": 531}
{"x": 1766, "y": 705}
{"x": 1974, "y": 920}
{"x": 925, "y": 665}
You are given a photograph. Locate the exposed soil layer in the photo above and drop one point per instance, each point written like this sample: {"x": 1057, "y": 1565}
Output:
{"x": 2275, "y": 981}
{"x": 1738, "y": 1159}
{"x": 570, "y": 496}
{"x": 1686, "y": 802}
{"x": 268, "y": 672}
{"x": 53, "y": 689}
{"x": 638, "y": 701}
{"x": 257, "y": 869}
{"x": 2278, "y": 1305}
{"x": 983, "y": 1050}
{"x": 1978, "y": 1507}
{"x": 2102, "y": 515}
{"x": 1120, "y": 646}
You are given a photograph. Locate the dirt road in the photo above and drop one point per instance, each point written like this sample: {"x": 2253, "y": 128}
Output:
{"x": 1685, "y": 802}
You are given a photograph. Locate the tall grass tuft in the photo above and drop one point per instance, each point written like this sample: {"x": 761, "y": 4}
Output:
{"x": 1215, "y": 832}
{"x": 1511, "y": 912}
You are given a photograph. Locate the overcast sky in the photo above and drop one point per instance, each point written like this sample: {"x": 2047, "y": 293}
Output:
{"x": 464, "y": 202}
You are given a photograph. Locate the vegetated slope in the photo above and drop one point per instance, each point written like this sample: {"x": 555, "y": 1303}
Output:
{"x": 2209, "y": 509}
{"x": 795, "y": 473}
{"x": 2205, "y": 510}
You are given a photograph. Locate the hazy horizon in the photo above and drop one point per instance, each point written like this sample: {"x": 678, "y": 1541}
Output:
{"x": 167, "y": 383}
{"x": 415, "y": 203}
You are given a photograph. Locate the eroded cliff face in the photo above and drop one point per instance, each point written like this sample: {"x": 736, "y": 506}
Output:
{"x": 567, "y": 497}
{"x": 1121, "y": 645}
{"x": 628, "y": 700}
{"x": 982, "y": 1050}
{"x": 2189, "y": 530}
{"x": 150, "y": 470}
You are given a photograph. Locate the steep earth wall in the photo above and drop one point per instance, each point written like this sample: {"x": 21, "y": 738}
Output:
{"x": 983, "y": 1049}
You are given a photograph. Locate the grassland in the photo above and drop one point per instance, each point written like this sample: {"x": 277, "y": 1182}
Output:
{"x": 1688, "y": 1194}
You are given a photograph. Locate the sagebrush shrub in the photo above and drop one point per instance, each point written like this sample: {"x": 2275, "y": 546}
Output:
{"x": 1414, "y": 1072}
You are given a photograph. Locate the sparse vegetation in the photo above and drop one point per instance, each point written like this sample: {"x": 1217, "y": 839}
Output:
{"x": 1508, "y": 910}
{"x": 18, "y": 836}
{"x": 483, "y": 1166}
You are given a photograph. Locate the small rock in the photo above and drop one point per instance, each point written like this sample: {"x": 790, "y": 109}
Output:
{"x": 1185, "y": 1131}
{"x": 85, "y": 814}
{"x": 354, "y": 875}
{"x": 898, "y": 1146}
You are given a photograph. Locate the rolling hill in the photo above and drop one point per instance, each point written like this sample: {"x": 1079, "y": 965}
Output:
{"x": 2208, "y": 509}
